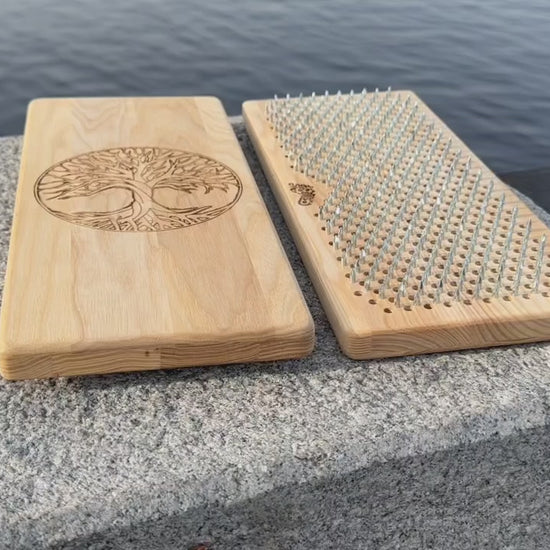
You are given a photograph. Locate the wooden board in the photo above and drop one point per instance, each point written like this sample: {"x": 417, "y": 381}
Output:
{"x": 413, "y": 244}
{"x": 140, "y": 241}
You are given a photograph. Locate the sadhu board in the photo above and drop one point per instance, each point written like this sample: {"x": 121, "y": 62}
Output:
{"x": 412, "y": 243}
{"x": 140, "y": 241}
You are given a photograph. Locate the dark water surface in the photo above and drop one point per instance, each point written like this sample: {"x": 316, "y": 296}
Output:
{"x": 483, "y": 66}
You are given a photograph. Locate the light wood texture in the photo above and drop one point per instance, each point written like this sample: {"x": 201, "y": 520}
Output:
{"x": 140, "y": 241}
{"x": 376, "y": 318}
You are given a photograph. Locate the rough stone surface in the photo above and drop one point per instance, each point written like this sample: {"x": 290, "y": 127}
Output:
{"x": 440, "y": 451}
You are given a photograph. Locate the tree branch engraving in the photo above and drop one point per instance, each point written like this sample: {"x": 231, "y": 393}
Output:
{"x": 138, "y": 189}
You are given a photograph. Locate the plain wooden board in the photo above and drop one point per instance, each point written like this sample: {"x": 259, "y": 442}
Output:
{"x": 365, "y": 331}
{"x": 88, "y": 293}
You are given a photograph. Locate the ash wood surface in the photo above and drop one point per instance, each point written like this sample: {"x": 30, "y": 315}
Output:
{"x": 140, "y": 241}
{"x": 367, "y": 325}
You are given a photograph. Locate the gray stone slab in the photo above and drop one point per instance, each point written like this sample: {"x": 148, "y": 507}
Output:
{"x": 325, "y": 452}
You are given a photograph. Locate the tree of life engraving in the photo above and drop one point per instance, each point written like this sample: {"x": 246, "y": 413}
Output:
{"x": 138, "y": 189}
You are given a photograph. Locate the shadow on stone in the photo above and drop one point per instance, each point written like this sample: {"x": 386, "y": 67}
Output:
{"x": 495, "y": 494}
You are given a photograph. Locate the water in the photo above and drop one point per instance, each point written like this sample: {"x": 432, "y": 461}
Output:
{"x": 482, "y": 66}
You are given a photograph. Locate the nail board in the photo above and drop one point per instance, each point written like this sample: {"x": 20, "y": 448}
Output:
{"x": 413, "y": 244}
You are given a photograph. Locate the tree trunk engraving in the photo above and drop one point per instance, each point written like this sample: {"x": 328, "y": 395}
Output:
{"x": 138, "y": 189}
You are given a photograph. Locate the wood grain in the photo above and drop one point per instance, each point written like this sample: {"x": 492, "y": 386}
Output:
{"x": 140, "y": 241}
{"x": 365, "y": 325}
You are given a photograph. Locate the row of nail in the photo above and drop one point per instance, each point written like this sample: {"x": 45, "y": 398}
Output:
{"x": 293, "y": 121}
{"x": 392, "y": 176}
{"x": 357, "y": 191}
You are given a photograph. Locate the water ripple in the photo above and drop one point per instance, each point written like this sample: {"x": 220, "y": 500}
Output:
{"x": 482, "y": 66}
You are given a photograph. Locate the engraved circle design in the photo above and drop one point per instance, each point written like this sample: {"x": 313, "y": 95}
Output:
{"x": 138, "y": 189}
